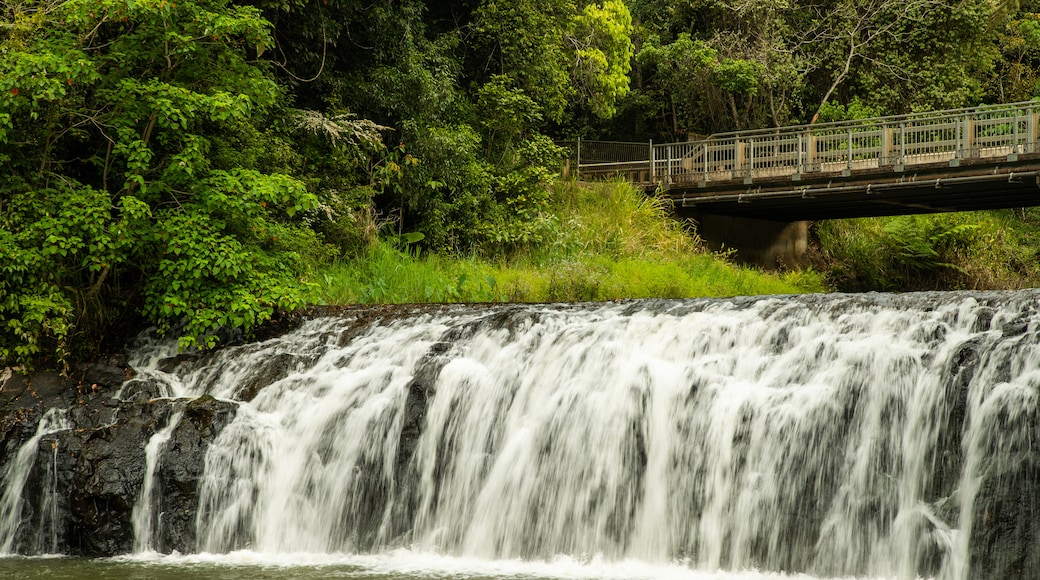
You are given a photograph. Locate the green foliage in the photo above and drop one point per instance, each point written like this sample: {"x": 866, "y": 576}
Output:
{"x": 706, "y": 67}
{"x": 613, "y": 219}
{"x": 1015, "y": 75}
{"x": 738, "y": 76}
{"x": 507, "y": 114}
{"x": 446, "y": 194}
{"x": 934, "y": 55}
{"x": 683, "y": 71}
{"x": 557, "y": 52}
{"x": 601, "y": 242}
{"x": 170, "y": 160}
{"x": 535, "y": 64}
{"x": 133, "y": 134}
{"x": 388, "y": 274}
{"x": 854, "y": 110}
{"x": 603, "y": 55}
{"x": 341, "y": 159}
{"x": 971, "y": 250}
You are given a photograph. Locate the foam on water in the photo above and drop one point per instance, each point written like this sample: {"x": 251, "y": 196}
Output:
{"x": 413, "y": 564}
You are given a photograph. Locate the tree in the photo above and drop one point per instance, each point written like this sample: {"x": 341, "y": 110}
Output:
{"x": 602, "y": 44}
{"x": 899, "y": 55}
{"x": 718, "y": 65}
{"x": 140, "y": 175}
{"x": 1015, "y": 75}
{"x": 468, "y": 89}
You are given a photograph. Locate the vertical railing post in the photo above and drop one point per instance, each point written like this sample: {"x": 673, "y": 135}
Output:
{"x": 801, "y": 154}
{"x": 704, "y": 148}
{"x": 969, "y": 135}
{"x": 738, "y": 156}
{"x": 902, "y": 144}
{"x": 577, "y": 166}
{"x": 652, "y": 163}
{"x": 848, "y": 161}
{"x": 1032, "y": 123}
{"x": 885, "y": 157}
{"x": 1014, "y": 147}
{"x": 751, "y": 159}
{"x": 958, "y": 126}
{"x": 810, "y": 152}
{"x": 668, "y": 171}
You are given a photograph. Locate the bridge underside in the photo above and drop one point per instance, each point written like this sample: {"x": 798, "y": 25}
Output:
{"x": 753, "y": 191}
{"x": 973, "y": 184}
{"x": 765, "y": 222}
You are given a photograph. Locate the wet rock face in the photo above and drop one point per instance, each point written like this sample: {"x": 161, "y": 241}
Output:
{"x": 182, "y": 468}
{"x": 80, "y": 494}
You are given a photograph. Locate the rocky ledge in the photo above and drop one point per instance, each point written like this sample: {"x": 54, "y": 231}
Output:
{"x": 82, "y": 480}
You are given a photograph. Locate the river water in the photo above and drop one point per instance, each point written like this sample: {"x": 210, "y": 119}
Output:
{"x": 833, "y": 436}
{"x": 396, "y": 565}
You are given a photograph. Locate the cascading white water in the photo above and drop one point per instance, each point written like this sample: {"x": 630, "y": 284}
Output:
{"x": 47, "y": 530}
{"x": 819, "y": 434}
{"x": 143, "y": 514}
{"x": 17, "y": 473}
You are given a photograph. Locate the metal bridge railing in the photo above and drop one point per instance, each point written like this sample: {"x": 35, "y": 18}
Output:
{"x": 896, "y": 142}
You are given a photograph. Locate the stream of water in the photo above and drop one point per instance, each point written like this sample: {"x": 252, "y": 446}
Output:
{"x": 834, "y": 436}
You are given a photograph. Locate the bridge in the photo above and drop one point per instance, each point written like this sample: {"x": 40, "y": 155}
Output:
{"x": 750, "y": 190}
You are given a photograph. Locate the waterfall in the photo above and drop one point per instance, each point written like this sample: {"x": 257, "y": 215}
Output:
{"x": 17, "y": 473}
{"x": 832, "y": 435}
{"x": 840, "y": 435}
{"x": 47, "y": 530}
{"x": 143, "y": 518}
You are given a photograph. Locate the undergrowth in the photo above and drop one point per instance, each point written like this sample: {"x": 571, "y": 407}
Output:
{"x": 984, "y": 250}
{"x": 605, "y": 242}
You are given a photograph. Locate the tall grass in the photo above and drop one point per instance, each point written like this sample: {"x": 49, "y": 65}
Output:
{"x": 608, "y": 241}
{"x": 981, "y": 250}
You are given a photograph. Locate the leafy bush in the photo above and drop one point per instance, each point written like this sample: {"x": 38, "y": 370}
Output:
{"x": 970, "y": 250}
{"x": 138, "y": 175}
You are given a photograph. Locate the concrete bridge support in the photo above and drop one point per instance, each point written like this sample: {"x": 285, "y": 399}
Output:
{"x": 763, "y": 243}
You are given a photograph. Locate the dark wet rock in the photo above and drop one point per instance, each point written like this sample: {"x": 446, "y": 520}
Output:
{"x": 104, "y": 375}
{"x": 983, "y": 318}
{"x": 20, "y": 391}
{"x": 174, "y": 363}
{"x": 80, "y": 494}
{"x": 273, "y": 369}
{"x": 1014, "y": 328}
{"x": 1006, "y": 527}
{"x": 14, "y": 391}
{"x": 183, "y": 462}
{"x": 143, "y": 389}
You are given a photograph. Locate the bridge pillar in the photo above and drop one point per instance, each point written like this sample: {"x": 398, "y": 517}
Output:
{"x": 763, "y": 243}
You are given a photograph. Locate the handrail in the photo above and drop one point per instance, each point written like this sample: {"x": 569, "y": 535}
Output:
{"x": 886, "y": 119}
{"x": 897, "y": 141}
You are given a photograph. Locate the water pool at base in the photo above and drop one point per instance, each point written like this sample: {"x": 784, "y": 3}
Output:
{"x": 396, "y": 565}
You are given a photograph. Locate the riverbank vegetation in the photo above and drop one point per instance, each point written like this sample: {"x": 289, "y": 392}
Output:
{"x": 202, "y": 164}
{"x": 955, "y": 251}
{"x": 604, "y": 241}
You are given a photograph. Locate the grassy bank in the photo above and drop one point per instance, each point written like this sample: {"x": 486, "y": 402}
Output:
{"x": 985, "y": 250}
{"x": 601, "y": 242}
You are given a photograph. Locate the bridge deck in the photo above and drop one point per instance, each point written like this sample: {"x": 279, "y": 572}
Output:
{"x": 982, "y": 158}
